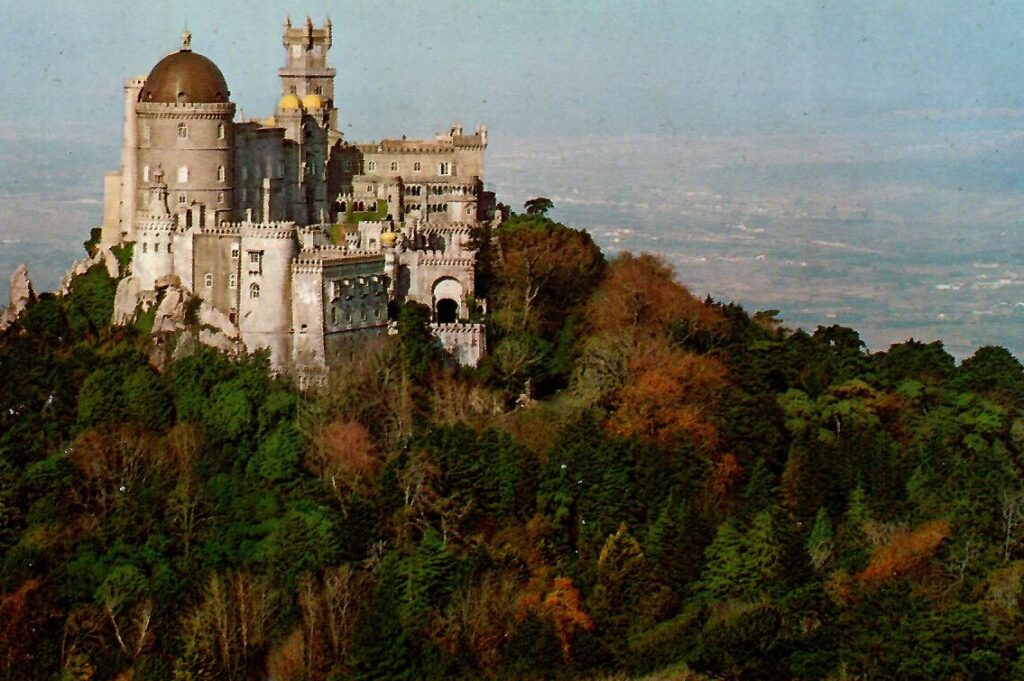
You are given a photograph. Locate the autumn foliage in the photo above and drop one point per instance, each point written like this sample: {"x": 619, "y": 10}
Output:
{"x": 555, "y": 600}
{"x": 905, "y": 552}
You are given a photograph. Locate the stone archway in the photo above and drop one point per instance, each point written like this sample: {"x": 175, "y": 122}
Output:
{"x": 447, "y": 299}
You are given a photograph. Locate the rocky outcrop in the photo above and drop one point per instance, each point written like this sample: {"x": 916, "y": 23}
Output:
{"x": 220, "y": 341}
{"x": 170, "y": 314}
{"x": 126, "y": 300}
{"x": 100, "y": 256}
{"x": 19, "y": 295}
{"x": 209, "y": 316}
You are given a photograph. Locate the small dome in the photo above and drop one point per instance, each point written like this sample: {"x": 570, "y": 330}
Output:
{"x": 388, "y": 239}
{"x": 312, "y": 101}
{"x": 185, "y": 76}
{"x": 289, "y": 102}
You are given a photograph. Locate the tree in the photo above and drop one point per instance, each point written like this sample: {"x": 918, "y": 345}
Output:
{"x": 538, "y": 206}
{"x": 544, "y": 270}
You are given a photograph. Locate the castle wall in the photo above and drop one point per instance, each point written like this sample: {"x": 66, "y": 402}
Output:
{"x": 308, "y": 314}
{"x": 152, "y": 256}
{"x": 110, "y": 231}
{"x": 202, "y": 148}
{"x": 215, "y": 271}
{"x": 467, "y": 343}
{"x": 265, "y": 305}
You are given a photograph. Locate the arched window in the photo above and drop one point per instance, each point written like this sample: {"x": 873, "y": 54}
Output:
{"x": 232, "y": 280}
{"x": 208, "y": 280}
{"x": 417, "y": 166}
{"x": 145, "y": 173}
{"x": 254, "y": 290}
{"x": 371, "y": 165}
{"x": 182, "y": 174}
{"x": 182, "y": 131}
{"x": 394, "y": 166}
{"x": 220, "y": 131}
{"x": 221, "y": 175}
{"x": 220, "y": 197}
{"x": 444, "y": 169}
{"x": 181, "y": 199}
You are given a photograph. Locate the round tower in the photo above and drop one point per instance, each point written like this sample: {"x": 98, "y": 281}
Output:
{"x": 184, "y": 125}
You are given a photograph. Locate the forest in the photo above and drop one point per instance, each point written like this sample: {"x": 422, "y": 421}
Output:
{"x": 635, "y": 483}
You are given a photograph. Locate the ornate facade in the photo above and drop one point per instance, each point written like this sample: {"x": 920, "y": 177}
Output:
{"x": 300, "y": 239}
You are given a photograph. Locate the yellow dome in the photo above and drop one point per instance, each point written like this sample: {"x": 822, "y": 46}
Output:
{"x": 289, "y": 102}
{"x": 312, "y": 101}
{"x": 388, "y": 239}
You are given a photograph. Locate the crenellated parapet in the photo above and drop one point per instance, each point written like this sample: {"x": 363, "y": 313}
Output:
{"x": 201, "y": 110}
{"x": 223, "y": 229}
{"x": 276, "y": 229}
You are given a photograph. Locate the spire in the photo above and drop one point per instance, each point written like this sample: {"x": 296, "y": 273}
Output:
{"x": 288, "y": 21}
{"x": 186, "y": 40}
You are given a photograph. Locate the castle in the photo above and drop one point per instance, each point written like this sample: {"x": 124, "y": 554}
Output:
{"x": 296, "y": 238}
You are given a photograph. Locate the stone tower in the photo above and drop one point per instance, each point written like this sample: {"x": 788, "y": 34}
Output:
{"x": 306, "y": 74}
{"x": 184, "y": 127}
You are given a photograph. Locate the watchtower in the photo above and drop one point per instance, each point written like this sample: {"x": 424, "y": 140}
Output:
{"x": 305, "y": 73}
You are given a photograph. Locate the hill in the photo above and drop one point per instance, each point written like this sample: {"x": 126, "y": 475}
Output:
{"x": 634, "y": 482}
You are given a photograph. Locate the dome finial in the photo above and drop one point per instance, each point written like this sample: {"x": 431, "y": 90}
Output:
{"x": 186, "y": 39}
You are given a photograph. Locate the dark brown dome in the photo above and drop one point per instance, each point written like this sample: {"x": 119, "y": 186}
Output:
{"x": 185, "y": 76}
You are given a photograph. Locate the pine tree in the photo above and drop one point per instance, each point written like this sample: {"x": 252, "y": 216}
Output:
{"x": 820, "y": 541}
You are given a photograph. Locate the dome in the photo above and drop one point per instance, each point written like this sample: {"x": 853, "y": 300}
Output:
{"x": 312, "y": 101}
{"x": 185, "y": 76}
{"x": 289, "y": 103}
{"x": 388, "y": 239}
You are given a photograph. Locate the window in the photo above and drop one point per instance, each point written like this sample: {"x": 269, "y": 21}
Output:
{"x": 371, "y": 165}
{"x": 145, "y": 173}
{"x": 245, "y": 173}
{"x": 168, "y": 248}
{"x": 417, "y": 166}
{"x": 145, "y": 247}
{"x": 221, "y": 175}
{"x": 254, "y": 290}
{"x": 208, "y": 280}
{"x": 232, "y": 280}
{"x": 444, "y": 169}
{"x": 369, "y": 189}
{"x": 181, "y": 199}
{"x": 220, "y": 131}
{"x": 220, "y": 197}
{"x": 183, "y": 174}
{"x": 318, "y": 90}
{"x": 146, "y": 132}
{"x": 394, "y": 166}
{"x": 292, "y": 90}
{"x": 234, "y": 251}
{"x": 182, "y": 131}
{"x": 156, "y": 247}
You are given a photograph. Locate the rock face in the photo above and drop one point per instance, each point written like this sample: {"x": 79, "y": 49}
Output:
{"x": 19, "y": 295}
{"x": 170, "y": 315}
{"x": 126, "y": 298}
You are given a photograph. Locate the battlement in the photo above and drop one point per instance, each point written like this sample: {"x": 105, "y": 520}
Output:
{"x": 277, "y": 229}
{"x": 222, "y": 229}
{"x": 208, "y": 110}
{"x": 160, "y": 225}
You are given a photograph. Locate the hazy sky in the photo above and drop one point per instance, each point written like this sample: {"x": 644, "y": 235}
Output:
{"x": 541, "y": 67}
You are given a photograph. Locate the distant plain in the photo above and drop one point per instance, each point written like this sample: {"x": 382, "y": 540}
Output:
{"x": 917, "y": 234}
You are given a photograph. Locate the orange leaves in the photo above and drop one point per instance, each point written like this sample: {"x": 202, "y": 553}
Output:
{"x": 905, "y": 552}
{"x": 557, "y": 601}
{"x": 669, "y": 393}
{"x": 342, "y": 453}
{"x": 639, "y": 295}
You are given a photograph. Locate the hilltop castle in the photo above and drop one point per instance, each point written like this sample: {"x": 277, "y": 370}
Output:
{"x": 294, "y": 238}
